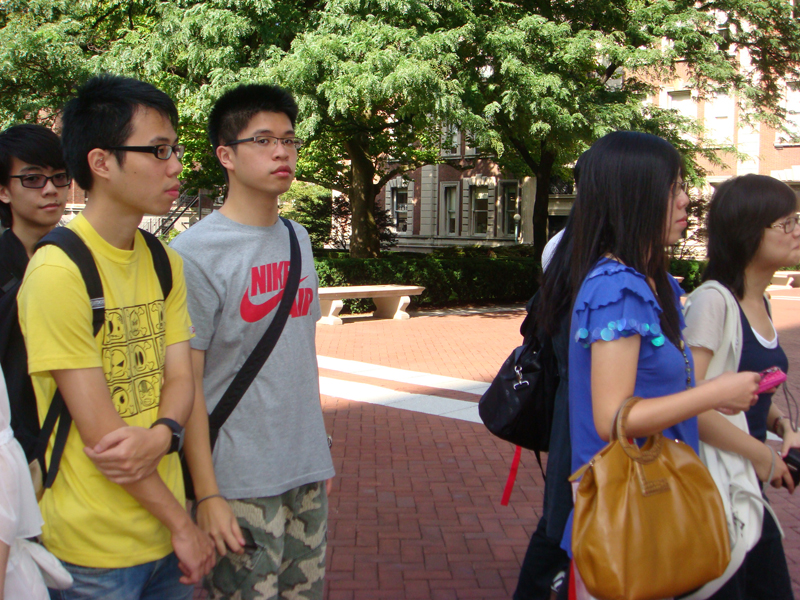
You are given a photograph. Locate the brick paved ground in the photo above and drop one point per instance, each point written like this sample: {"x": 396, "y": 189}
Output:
{"x": 415, "y": 511}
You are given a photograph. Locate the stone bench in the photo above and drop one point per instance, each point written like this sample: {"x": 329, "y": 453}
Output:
{"x": 390, "y": 300}
{"x": 786, "y": 278}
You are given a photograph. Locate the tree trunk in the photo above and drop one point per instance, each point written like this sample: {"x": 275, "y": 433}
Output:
{"x": 542, "y": 202}
{"x": 364, "y": 241}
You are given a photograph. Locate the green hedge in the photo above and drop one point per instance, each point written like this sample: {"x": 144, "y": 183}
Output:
{"x": 690, "y": 270}
{"x": 515, "y": 251}
{"x": 447, "y": 281}
{"x": 454, "y": 281}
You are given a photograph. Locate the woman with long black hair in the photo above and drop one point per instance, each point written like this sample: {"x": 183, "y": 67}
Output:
{"x": 625, "y": 333}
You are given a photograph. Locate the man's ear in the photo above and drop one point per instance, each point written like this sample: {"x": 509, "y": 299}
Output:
{"x": 100, "y": 163}
{"x": 5, "y": 194}
{"x": 225, "y": 157}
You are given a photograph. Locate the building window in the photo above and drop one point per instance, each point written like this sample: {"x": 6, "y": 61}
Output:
{"x": 451, "y": 141}
{"x": 682, "y": 102}
{"x": 479, "y": 203}
{"x": 719, "y": 113}
{"x": 509, "y": 208}
{"x": 450, "y": 209}
{"x": 400, "y": 209}
{"x": 470, "y": 149}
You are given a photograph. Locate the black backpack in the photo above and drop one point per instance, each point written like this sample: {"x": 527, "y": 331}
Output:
{"x": 14, "y": 359}
{"x": 11, "y": 340}
{"x": 519, "y": 404}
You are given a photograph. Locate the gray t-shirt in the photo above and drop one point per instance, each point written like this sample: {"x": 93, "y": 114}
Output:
{"x": 275, "y": 439}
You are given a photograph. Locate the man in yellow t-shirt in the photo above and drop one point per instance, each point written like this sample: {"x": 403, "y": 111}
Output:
{"x": 115, "y": 514}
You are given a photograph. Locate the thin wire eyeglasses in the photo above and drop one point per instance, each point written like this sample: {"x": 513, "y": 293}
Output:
{"x": 683, "y": 186}
{"x": 270, "y": 141}
{"x": 38, "y": 181}
{"x": 161, "y": 151}
{"x": 788, "y": 225}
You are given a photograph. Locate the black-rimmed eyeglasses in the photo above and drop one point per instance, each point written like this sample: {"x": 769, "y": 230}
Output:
{"x": 788, "y": 225}
{"x": 37, "y": 181}
{"x": 268, "y": 141}
{"x": 161, "y": 151}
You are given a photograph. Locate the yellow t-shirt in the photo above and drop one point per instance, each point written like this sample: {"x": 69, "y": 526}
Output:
{"x": 88, "y": 520}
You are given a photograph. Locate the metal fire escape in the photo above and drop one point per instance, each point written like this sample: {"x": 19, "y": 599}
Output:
{"x": 183, "y": 204}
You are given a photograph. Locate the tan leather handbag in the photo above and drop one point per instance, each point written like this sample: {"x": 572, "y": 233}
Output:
{"x": 649, "y": 522}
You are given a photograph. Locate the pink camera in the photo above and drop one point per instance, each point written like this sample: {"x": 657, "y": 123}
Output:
{"x": 771, "y": 378}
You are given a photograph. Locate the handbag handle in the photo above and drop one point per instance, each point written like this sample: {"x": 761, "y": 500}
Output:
{"x": 641, "y": 456}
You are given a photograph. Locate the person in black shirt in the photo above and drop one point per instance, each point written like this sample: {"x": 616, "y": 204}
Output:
{"x": 33, "y": 192}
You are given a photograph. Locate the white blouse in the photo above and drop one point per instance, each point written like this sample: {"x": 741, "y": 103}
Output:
{"x": 19, "y": 512}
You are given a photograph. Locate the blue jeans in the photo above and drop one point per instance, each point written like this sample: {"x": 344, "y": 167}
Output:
{"x": 157, "y": 580}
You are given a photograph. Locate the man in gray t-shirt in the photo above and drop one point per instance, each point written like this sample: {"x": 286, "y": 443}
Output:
{"x": 264, "y": 498}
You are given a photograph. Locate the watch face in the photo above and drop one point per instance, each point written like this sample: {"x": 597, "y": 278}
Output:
{"x": 177, "y": 433}
{"x": 176, "y": 442}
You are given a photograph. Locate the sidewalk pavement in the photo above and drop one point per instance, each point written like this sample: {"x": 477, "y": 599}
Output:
{"x": 415, "y": 510}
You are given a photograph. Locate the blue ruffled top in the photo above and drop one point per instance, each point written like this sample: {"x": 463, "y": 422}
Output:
{"x": 615, "y": 301}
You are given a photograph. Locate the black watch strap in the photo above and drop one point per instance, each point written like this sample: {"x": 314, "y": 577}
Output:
{"x": 177, "y": 432}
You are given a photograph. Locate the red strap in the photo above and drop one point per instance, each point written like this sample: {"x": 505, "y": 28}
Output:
{"x": 512, "y": 477}
{"x": 572, "y": 591}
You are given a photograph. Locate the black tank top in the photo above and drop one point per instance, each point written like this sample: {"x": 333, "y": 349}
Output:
{"x": 755, "y": 357}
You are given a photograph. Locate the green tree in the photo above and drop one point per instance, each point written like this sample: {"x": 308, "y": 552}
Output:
{"x": 193, "y": 50}
{"x": 368, "y": 86}
{"x": 532, "y": 81}
{"x": 311, "y": 206}
{"x": 546, "y": 78}
{"x": 375, "y": 80}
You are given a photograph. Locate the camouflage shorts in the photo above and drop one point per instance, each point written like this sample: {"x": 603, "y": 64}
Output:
{"x": 285, "y": 539}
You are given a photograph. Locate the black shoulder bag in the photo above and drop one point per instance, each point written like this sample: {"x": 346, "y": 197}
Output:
{"x": 258, "y": 357}
{"x": 518, "y": 406}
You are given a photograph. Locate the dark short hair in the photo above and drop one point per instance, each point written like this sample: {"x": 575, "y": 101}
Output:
{"x": 100, "y": 116}
{"x": 621, "y": 208}
{"x": 32, "y": 144}
{"x": 741, "y": 209}
{"x": 233, "y": 111}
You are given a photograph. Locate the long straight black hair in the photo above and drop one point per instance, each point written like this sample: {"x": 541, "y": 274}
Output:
{"x": 622, "y": 206}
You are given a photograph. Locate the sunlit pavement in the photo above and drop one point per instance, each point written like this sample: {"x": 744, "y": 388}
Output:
{"x": 415, "y": 510}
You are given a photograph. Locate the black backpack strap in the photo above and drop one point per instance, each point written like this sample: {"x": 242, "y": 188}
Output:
{"x": 251, "y": 367}
{"x": 9, "y": 316}
{"x": 160, "y": 261}
{"x": 9, "y": 285}
{"x": 72, "y": 245}
{"x": 79, "y": 253}
{"x": 13, "y": 260}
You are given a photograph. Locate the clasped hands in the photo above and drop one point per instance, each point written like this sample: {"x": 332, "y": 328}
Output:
{"x": 129, "y": 454}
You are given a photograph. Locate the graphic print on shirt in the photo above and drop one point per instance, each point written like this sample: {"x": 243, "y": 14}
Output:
{"x": 268, "y": 282}
{"x": 133, "y": 356}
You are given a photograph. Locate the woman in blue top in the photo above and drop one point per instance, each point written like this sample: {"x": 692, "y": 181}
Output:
{"x": 625, "y": 335}
{"x": 752, "y": 231}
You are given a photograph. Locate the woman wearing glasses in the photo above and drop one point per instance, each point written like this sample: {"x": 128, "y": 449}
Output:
{"x": 752, "y": 232}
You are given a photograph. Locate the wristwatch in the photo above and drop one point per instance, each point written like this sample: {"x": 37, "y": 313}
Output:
{"x": 177, "y": 433}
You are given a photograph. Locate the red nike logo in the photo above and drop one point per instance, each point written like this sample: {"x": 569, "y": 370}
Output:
{"x": 255, "y": 312}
